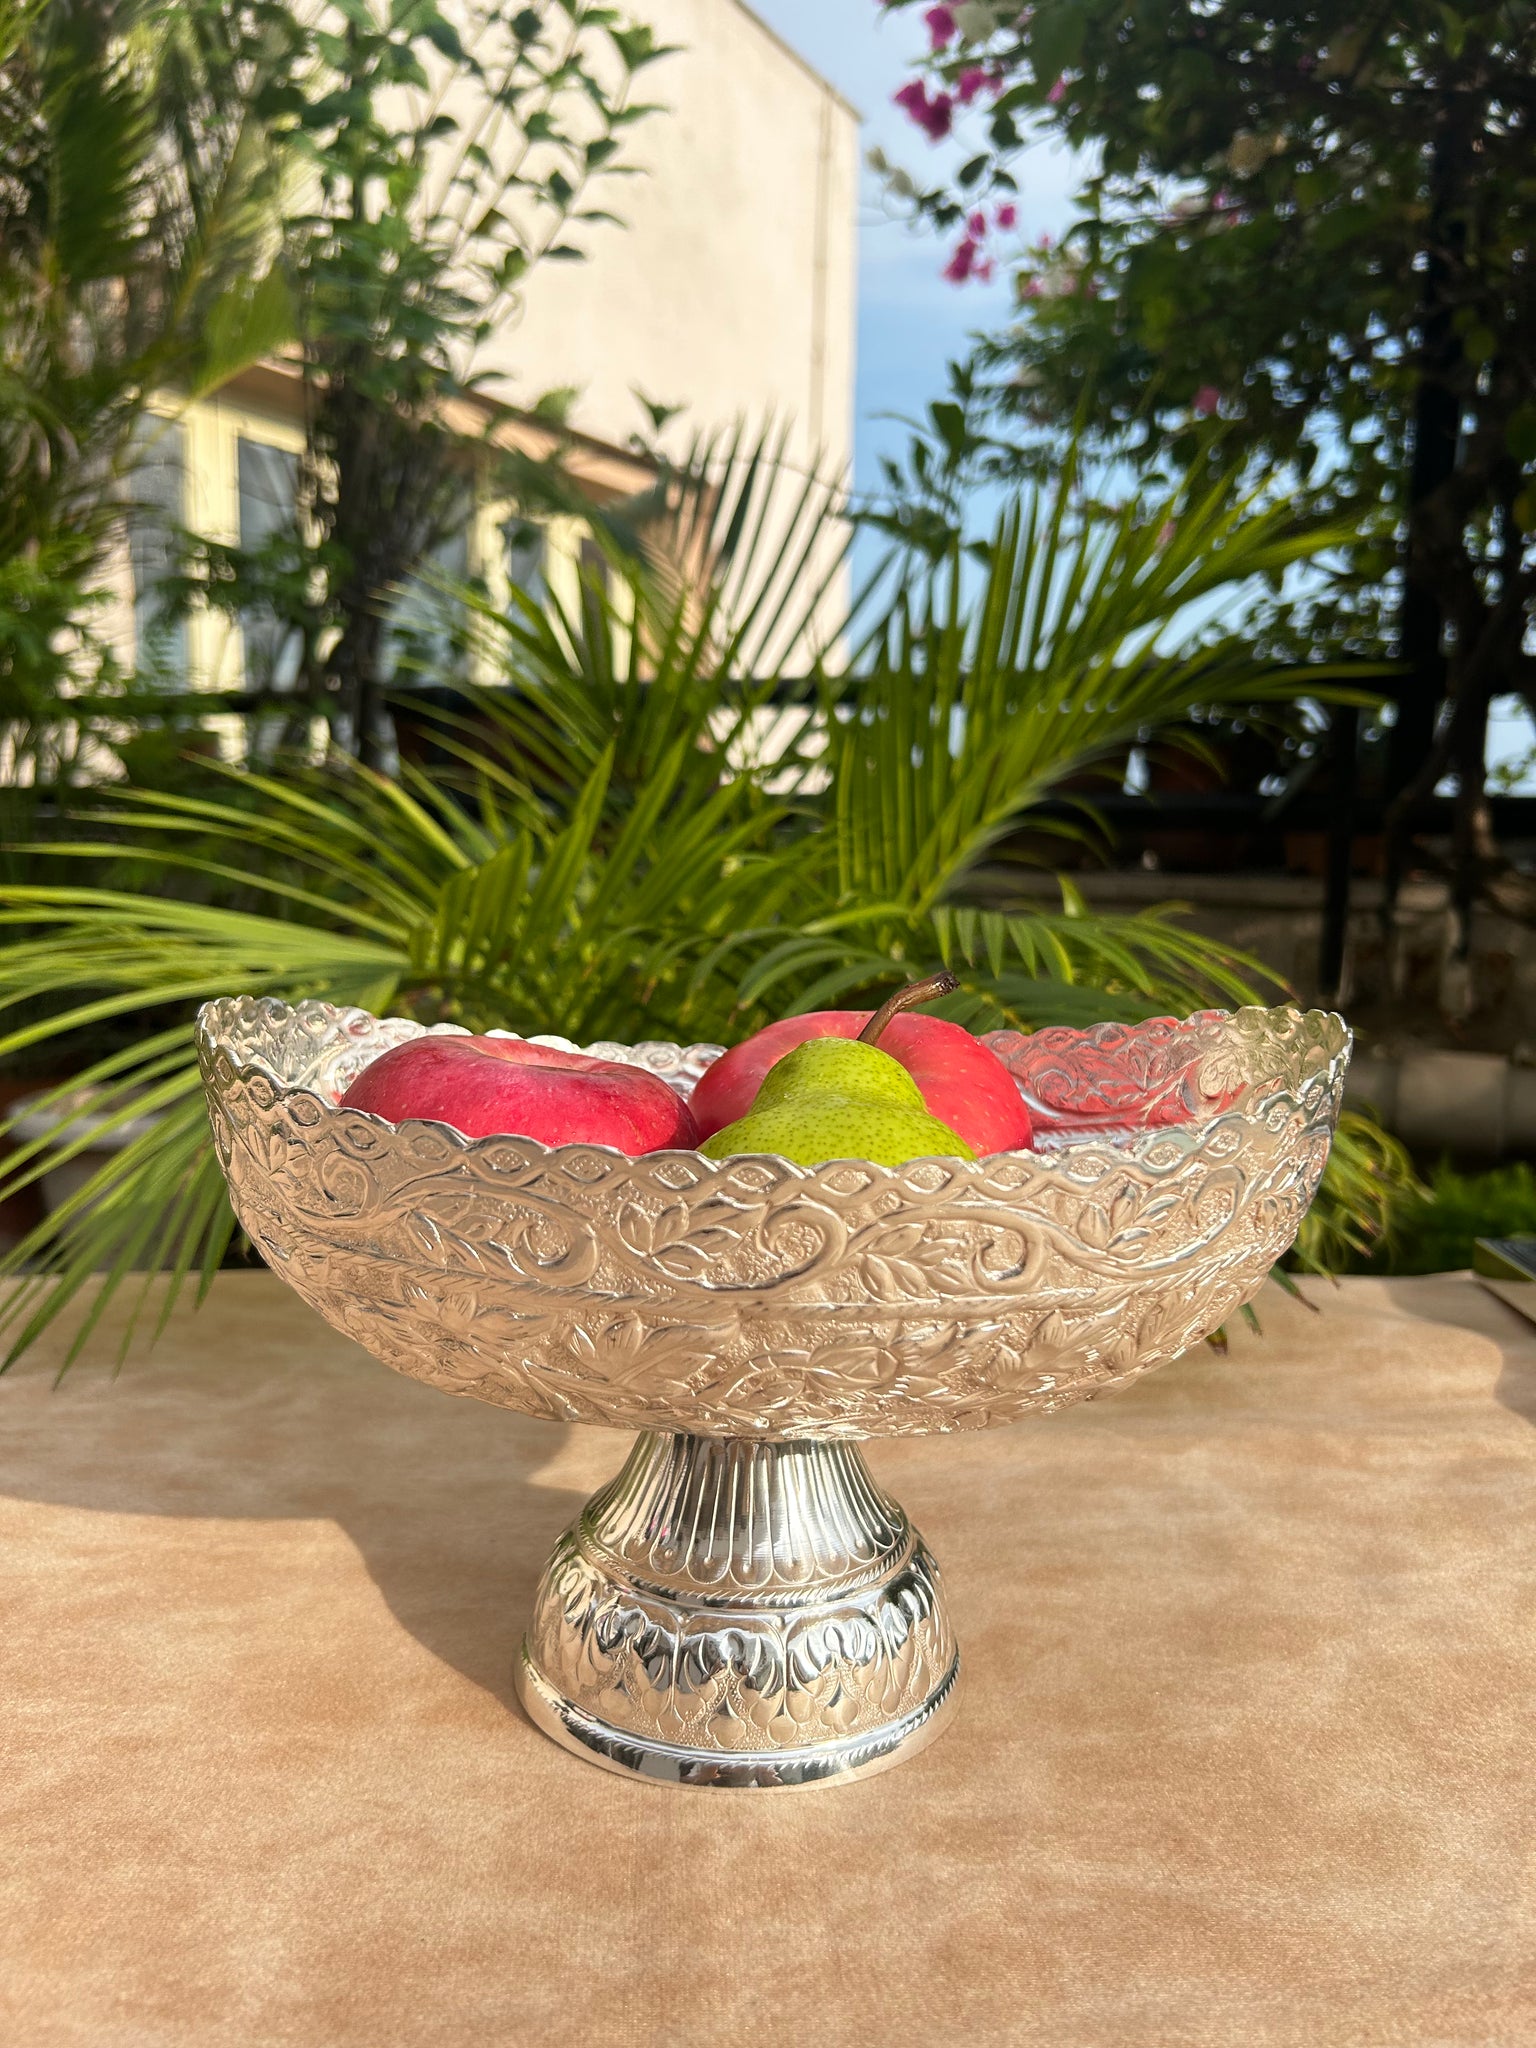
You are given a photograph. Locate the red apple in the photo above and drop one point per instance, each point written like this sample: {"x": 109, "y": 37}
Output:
{"x": 492, "y": 1087}
{"x": 963, "y": 1082}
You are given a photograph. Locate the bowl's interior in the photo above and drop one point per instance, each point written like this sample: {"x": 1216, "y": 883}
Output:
{"x": 1128, "y": 1085}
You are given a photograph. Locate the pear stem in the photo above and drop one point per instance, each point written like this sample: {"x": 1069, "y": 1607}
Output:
{"x": 906, "y": 998}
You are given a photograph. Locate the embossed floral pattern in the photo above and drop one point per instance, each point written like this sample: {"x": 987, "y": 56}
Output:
{"x": 670, "y": 1615}
{"x": 755, "y": 1298}
{"x": 1126, "y": 1076}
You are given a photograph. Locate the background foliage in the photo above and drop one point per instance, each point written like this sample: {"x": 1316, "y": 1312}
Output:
{"x": 1304, "y": 236}
{"x": 1434, "y": 1228}
{"x": 647, "y": 827}
{"x": 187, "y": 189}
{"x": 638, "y": 837}
{"x": 140, "y": 177}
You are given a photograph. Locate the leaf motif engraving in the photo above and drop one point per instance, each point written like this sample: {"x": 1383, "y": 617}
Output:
{"x": 757, "y": 1298}
{"x": 1093, "y": 1227}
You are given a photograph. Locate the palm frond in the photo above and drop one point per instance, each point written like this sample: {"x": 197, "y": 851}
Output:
{"x": 1367, "y": 1184}
{"x": 1078, "y": 645}
{"x": 616, "y": 851}
{"x": 584, "y": 929}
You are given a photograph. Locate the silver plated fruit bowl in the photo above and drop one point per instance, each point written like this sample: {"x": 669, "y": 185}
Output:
{"x": 742, "y": 1605}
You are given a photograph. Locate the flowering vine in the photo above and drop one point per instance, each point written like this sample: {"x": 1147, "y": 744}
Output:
{"x": 969, "y": 258}
{"x": 968, "y": 42}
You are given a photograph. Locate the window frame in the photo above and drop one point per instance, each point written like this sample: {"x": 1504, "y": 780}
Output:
{"x": 213, "y": 428}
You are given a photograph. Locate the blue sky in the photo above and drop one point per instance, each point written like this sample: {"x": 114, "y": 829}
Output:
{"x": 910, "y": 321}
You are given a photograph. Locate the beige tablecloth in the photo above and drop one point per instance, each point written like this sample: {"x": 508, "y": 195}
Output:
{"x": 1244, "y": 1756}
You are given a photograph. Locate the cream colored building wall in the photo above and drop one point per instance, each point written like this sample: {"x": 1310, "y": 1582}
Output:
{"x": 730, "y": 288}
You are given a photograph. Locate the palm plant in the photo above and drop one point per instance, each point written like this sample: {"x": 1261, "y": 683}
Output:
{"x": 967, "y": 712}
{"x": 613, "y": 853}
{"x": 1369, "y": 1187}
{"x": 139, "y": 178}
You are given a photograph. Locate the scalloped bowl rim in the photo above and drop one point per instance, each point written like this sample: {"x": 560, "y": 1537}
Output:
{"x": 1123, "y": 1141}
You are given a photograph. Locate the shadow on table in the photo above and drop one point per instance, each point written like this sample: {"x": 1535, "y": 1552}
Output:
{"x": 1517, "y": 1383}
{"x": 444, "y": 1499}
{"x": 1483, "y": 1314}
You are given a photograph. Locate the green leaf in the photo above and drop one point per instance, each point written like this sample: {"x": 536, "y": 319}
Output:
{"x": 654, "y": 833}
{"x": 1056, "y": 34}
{"x": 442, "y": 35}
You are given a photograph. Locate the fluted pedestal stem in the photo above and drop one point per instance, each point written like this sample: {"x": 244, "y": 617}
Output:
{"x": 740, "y": 1615}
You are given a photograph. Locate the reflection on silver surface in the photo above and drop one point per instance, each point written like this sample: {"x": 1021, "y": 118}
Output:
{"x": 740, "y": 1615}
{"x": 752, "y": 1297}
{"x": 754, "y": 1318}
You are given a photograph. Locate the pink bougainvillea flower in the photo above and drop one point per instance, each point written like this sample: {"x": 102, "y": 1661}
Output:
{"x": 976, "y": 78}
{"x": 1006, "y": 214}
{"x": 982, "y": 272}
{"x": 933, "y": 116}
{"x": 941, "y": 27}
{"x": 1058, "y": 91}
{"x": 961, "y": 263}
{"x": 940, "y": 115}
{"x": 1206, "y": 400}
{"x": 1032, "y": 288}
{"x": 976, "y": 226}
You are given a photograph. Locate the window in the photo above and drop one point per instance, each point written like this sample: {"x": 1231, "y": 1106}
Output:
{"x": 156, "y": 509}
{"x": 229, "y": 468}
{"x": 426, "y": 621}
{"x": 267, "y": 484}
{"x": 526, "y": 548}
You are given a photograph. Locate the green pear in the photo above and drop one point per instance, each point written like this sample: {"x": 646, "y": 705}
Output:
{"x": 842, "y": 1098}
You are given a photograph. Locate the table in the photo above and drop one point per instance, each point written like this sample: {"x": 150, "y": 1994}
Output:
{"x": 1244, "y": 1755}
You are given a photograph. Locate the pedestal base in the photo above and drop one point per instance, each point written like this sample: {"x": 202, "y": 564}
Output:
{"x": 740, "y": 1615}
